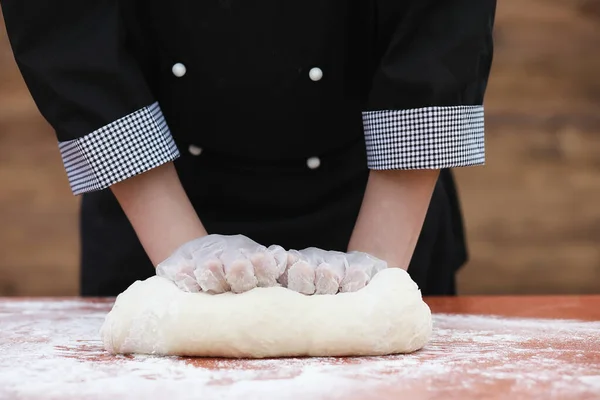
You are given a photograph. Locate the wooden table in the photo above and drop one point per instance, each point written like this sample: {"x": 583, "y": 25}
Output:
{"x": 483, "y": 348}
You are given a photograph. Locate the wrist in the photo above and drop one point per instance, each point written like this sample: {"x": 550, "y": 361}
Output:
{"x": 392, "y": 214}
{"x": 159, "y": 211}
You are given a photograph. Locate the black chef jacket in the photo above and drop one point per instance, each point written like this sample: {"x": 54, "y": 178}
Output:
{"x": 273, "y": 112}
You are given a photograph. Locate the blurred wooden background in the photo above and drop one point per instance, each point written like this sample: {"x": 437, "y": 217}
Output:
{"x": 533, "y": 213}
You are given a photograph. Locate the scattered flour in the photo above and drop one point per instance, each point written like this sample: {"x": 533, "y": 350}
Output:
{"x": 52, "y": 350}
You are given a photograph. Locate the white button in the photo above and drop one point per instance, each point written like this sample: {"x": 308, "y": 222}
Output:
{"x": 195, "y": 150}
{"x": 179, "y": 70}
{"x": 313, "y": 162}
{"x": 315, "y": 74}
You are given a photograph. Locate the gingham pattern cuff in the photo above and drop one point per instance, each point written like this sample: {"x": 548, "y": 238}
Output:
{"x": 124, "y": 148}
{"x": 425, "y": 138}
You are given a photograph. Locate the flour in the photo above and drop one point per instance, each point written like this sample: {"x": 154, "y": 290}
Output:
{"x": 52, "y": 350}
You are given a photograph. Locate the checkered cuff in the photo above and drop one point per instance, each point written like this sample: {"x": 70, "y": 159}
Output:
{"x": 126, "y": 147}
{"x": 425, "y": 138}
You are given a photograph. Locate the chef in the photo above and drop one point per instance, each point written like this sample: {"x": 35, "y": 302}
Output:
{"x": 327, "y": 124}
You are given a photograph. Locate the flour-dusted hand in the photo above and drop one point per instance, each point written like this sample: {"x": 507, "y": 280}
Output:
{"x": 316, "y": 271}
{"x": 360, "y": 268}
{"x": 299, "y": 274}
{"x": 221, "y": 263}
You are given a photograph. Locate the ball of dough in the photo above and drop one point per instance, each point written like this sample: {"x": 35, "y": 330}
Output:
{"x": 388, "y": 316}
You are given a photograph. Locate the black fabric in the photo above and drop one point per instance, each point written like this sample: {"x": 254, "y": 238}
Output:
{"x": 432, "y": 53}
{"x": 89, "y": 63}
{"x": 73, "y": 57}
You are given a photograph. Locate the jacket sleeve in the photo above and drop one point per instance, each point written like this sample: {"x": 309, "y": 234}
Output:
{"x": 425, "y": 105}
{"x": 73, "y": 58}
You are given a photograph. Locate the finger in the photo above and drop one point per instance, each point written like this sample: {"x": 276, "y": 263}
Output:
{"x": 330, "y": 267}
{"x": 328, "y": 277}
{"x": 186, "y": 281}
{"x": 301, "y": 277}
{"x": 292, "y": 258}
{"x": 378, "y": 265}
{"x": 239, "y": 274}
{"x": 266, "y": 269}
{"x": 354, "y": 280}
{"x": 358, "y": 272}
{"x": 180, "y": 272}
{"x": 211, "y": 277}
{"x": 360, "y": 269}
{"x": 269, "y": 264}
{"x": 281, "y": 257}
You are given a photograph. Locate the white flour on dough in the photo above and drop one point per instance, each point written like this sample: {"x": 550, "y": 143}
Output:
{"x": 388, "y": 316}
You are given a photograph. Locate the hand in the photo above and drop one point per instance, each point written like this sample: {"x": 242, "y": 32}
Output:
{"x": 316, "y": 271}
{"x": 221, "y": 263}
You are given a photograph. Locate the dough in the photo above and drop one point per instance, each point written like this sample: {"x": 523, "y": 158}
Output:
{"x": 388, "y": 316}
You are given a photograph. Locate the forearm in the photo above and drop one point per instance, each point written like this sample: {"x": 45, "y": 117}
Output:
{"x": 392, "y": 214}
{"x": 159, "y": 211}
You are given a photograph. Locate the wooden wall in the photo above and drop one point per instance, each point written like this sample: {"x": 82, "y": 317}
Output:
{"x": 533, "y": 213}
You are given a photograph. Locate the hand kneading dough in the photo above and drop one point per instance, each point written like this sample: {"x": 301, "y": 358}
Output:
{"x": 388, "y": 316}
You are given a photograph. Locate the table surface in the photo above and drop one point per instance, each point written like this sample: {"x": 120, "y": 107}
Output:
{"x": 482, "y": 348}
